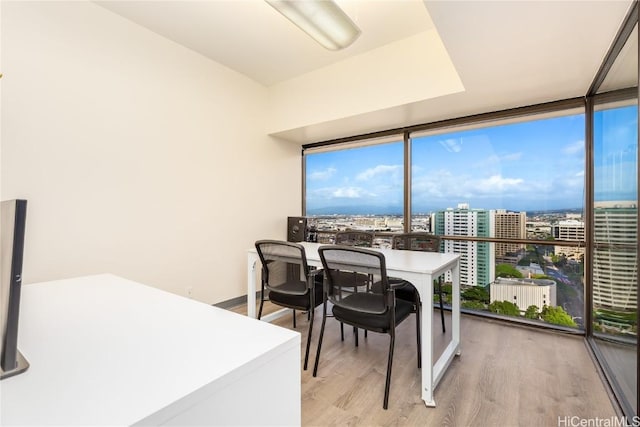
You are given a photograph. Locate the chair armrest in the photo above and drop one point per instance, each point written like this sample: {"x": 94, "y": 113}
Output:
{"x": 311, "y": 279}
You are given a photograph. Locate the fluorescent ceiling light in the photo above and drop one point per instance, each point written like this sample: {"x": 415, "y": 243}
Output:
{"x": 323, "y": 20}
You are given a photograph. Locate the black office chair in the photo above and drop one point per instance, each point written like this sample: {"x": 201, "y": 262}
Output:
{"x": 354, "y": 238}
{"x": 365, "y": 309}
{"x": 289, "y": 280}
{"x": 424, "y": 242}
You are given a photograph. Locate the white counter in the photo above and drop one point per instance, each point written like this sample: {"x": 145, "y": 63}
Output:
{"x": 108, "y": 351}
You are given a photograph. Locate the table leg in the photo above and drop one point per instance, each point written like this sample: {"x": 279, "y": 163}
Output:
{"x": 426, "y": 286}
{"x": 455, "y": 307}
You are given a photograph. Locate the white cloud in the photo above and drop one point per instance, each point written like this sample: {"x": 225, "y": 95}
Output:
{"x": 350, "y": 193}
{"x": 435, "y": 184}
{"x": 574, "y": 148}
{"x": 443, "y": 183}
{"x": 496, "y": 183}
{"x": 379, "y": 170}
{"x": 322, "y": 175}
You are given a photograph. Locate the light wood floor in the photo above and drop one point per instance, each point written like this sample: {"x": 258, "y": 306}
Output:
{"x": 506, "y": 376}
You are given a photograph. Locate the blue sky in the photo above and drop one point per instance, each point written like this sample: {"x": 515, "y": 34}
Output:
{"x": 615, "y": 154}
{"x": 527, "y": 166}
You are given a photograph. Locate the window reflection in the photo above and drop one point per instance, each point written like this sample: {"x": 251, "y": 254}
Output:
{"x": 615, "y": 264}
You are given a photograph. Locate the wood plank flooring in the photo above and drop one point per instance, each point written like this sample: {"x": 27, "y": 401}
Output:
{"x": 506, "y": 376}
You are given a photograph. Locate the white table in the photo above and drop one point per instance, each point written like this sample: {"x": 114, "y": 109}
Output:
{"x": 420, "y": 268}
{"x": 108, "y": 351}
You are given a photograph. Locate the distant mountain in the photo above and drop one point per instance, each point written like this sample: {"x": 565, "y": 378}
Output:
{"x": 356, "y": 210}
{"x": 555, "y": 211}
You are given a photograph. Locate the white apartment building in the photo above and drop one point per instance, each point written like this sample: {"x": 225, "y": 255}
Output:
{"x": 477, "y": 261}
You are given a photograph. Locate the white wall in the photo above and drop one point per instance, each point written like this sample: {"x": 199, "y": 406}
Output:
{"x": 400, "y": 73}
{"x": 137, "y": 156}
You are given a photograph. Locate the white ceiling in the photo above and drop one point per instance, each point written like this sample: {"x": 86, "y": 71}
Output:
{"x": 505, "y": 53}
{"x": 252, "y": 38}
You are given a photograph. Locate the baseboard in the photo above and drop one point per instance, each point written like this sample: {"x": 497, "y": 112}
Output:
{"x": 234, "y": 302}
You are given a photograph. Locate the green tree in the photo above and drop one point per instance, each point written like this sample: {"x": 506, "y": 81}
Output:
{"x": 532, "y": 312}
{"x": 476, "y": 293}
{"x": 559, "y": 261}
{"x": 504, "y": 307}
{"x": 447, "y": 288}
{"x": 540, "y": 276}
{"x": 446, "y": 292}
{"x": 473, "y": 305}
{"x": 507, "y": 270}
{"x": 557, "y": 316}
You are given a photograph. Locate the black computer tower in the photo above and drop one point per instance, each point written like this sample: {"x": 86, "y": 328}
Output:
{"x": 296, "y": 229}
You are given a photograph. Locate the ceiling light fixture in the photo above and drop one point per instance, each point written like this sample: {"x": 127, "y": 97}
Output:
{"x": 323, "y": 20}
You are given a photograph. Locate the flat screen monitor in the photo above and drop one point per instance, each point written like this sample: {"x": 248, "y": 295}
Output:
{"x": 13, "y": 214}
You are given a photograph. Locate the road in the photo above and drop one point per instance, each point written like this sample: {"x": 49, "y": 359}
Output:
{"x": 569, "y": 293}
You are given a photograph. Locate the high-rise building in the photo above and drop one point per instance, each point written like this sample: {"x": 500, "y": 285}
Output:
{"x": 615, "y": 263}
{"x": 570, "y": 229}
{"x": 477, "y": 261}
{"x": 509, "y": 225}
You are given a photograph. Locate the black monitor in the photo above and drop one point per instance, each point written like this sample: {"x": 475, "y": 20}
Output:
{"x": 13, "y": 215}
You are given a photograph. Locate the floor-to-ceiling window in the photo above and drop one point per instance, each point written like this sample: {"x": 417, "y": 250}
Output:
{"x": 507, "y": 193}
{"x": 614, "y": 217}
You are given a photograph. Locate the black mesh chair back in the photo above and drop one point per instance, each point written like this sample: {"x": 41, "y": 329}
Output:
{"x": 372, "y": 308}
{"x": 358, "y": 239}
{"x": 284, "y": 267}
{"x": 362, "y": 239}
{"x": 342, "y": 291}
{"x": 288, "y": 281}
{"x": 416, "y": 242}
{"x": 424, "y": 242}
